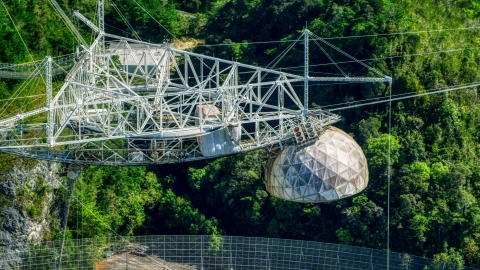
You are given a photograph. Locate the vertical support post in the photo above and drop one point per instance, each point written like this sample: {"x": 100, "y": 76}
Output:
{"x": 267, "y": 262}
{"x": 101, "y": 15}
{"x": 49, "y": 61}
{"x": 235, "y": 81}
{"x": 101, "y": 22}
{"x": 217, "y": 75}
{"x": 200, "y": 109}
{"x": 389, "y": 174}
{"x": 137, "y": 103}
{"x": 167, "y": 67}
{"x": 338, "y": 258}
{"x": 164, "y": 255}
{"x": 259, "y": 99}
{"x": 230, "y": 258}
{"x": 72, "y": 174}
{"x": 125, "y": 66}
{"x": 371, "y": 260}
{"x": 250, "y": 97}
{"x": 280, "y": 104}
{"x": 201, "y": 70}
{"x": 101, "y": 25}
{"x": 201, "y": 252}
{"x": 187, "y": 59}
{"x": 305, "y": 78}
{"x": 146, "y": 69}
{"x": 91, "y": 78}
{"x": 235, "y": 90}
{"x": 259, "y": 89}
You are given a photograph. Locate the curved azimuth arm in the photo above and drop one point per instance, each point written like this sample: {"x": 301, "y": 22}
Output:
{"x": 128, "y": 102}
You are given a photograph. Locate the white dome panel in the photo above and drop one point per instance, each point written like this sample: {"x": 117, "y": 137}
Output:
{"x": 333, "y": 168}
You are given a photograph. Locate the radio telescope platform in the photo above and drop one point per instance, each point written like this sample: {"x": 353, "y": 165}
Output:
{"x": 129, "y": 102}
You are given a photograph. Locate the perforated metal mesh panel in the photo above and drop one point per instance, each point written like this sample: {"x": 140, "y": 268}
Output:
{"x": 209, "y": 252}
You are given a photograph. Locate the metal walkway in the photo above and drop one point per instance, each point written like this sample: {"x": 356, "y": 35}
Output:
{"x": 36, "y": 69}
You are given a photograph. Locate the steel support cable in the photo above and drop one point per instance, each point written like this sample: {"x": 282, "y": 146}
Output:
{"x": 27, "y": 72}
{"x": 330, "y": 58}
{"x": 67, "y": 21}
{"x": 27, "y": 102}
{"x": 246, "y": 43}
{"x": 311, "y": 72}
{"x": 371, "y": 99}
{"x": 443, "y": 90}
{"x": 407, "y": 33}
{"x": 389, "y": 57}
{"x": 344, "y": 37}
{"x": 6, "y": 107}
{"x": 18, "y": 66}
{"x": 348, "y": 55}
{"x": 326, "y": 107}
{"x": 389, "y": 172}
{"x": 60, "y": 67}
{"x": 71, "y": 185}
{"x": 21, "y": 108}
{"x": 22, "y": 87}
{"x": 92, "y": 32}
{"x": 28, "y": 80}
{"x": 7, "y": 65}
{"x": 32, "y": 96}
{"x": 125, "y": 20}
{"x": 156, "y": 20}
{"x": 121, "y": 30}
{"x": 18, "y": 32}
{"x": 16, "y": 29}
{"x": 18, "y": 92}
{"x": 282, "y": 54}
{"x": 106, "y": 225}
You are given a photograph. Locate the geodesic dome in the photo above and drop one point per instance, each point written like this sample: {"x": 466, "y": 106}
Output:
{"x": 333, "y": 168}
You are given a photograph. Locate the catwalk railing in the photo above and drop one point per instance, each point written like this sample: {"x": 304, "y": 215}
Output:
{"x": 36, "y": 69}
{"x": 208, "y": 252}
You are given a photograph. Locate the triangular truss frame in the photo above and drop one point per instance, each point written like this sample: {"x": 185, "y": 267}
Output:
{"x": 128, "y": 102}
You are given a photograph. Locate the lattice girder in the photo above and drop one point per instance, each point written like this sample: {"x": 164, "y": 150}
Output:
{"x": 130, "y": 103}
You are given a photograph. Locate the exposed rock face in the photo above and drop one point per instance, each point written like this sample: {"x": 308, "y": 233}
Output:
{"x": 26, "y": 200}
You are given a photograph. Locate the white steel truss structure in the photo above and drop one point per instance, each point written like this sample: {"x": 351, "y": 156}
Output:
{"x": 127, "y": 102}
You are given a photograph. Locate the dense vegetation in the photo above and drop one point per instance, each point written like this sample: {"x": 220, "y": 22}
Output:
{"x": 435, "y": 176}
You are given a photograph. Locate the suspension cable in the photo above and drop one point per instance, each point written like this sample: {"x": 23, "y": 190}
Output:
{"x": 156, "y": 21}
{"x": 348, "y": 55}
{"x": 67, "y": 22}
{"x": 345, "y": 37}
{"x": 330, "y": 58}
{"x": 104, "y": 223}
{"x": 433, "y": 91}
{"x": 20, "y": 35}
{"x": 125, "y": 20}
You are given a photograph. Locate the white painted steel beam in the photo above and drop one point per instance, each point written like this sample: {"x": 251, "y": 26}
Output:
{"x": 137, "y": 103}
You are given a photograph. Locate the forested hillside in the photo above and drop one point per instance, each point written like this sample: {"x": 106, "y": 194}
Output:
{"x": 434, "y": 139}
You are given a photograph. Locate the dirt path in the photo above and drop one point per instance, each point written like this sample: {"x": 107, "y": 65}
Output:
{"x": 134, "y": 262}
